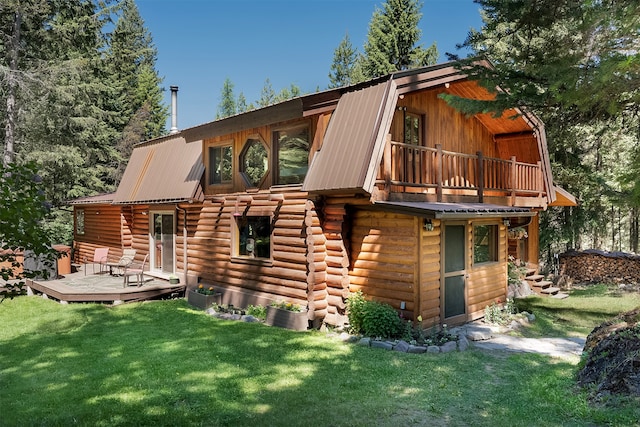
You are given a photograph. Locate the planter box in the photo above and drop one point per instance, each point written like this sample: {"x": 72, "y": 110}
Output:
{"x": 296, "y": 320}
{"x": 203, "y": 301}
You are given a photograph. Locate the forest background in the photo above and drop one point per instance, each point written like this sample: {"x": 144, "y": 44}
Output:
{"x": 79, "y": 87}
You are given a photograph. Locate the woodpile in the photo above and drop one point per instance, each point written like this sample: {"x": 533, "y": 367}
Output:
{"x": 593, "y": 266}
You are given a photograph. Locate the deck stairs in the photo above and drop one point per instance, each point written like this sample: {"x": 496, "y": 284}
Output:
{"x": 541, "y": 285}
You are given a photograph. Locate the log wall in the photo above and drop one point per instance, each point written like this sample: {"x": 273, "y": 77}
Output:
{"x": 384, "y": 257}
{"x": 430, "y": 264}
{"x": 102, "y": 228}
{"x": 287, "y": 275}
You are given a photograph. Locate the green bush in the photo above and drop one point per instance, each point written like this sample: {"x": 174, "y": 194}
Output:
{"x": 372, "y": 318}
{"x": 257, "y": 311}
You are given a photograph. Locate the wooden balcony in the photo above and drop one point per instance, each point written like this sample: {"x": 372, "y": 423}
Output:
{"x": 448, "y": 176}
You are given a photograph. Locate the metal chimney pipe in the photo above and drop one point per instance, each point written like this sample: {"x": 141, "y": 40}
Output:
{"x": 174, "y": 109}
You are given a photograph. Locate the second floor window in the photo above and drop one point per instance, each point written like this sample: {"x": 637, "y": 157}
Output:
{"x": 292, "y": 154}
{"x": 220, "y": 165}
{"x": 412, "y": 128}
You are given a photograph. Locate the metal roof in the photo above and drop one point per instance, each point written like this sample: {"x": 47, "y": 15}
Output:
{"x": 454, "y": 210}
{"x": 353, "y": 142}
{"x": 162, "y": 171}
{"x": 93, "y": 200}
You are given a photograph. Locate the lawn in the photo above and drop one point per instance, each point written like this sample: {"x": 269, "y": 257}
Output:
{"x": 163, "y": 363}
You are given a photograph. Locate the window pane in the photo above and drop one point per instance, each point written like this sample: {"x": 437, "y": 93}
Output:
{"x": 255, "y": 236}
{"x": 485, "y": 243}
{"x": 80, "y": 221}
{"x": 293, "y": 154}
{"x": 412, "y": 129}
{"x": 220, "y": 165}
{"x": 254, "y": 162}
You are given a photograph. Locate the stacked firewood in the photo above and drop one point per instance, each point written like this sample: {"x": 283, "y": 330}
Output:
{"x": 593, "y": 266}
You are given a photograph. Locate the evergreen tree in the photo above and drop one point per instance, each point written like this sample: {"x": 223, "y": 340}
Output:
{"x": 344, "y": 62}
{"x": 227, "y": 106}
{"x": 392, "y": 38}
{"x": 241, "y": 104}
{"x": 268, "y": 95}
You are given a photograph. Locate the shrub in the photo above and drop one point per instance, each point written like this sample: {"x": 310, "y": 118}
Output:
{"x": 373, "y": 319}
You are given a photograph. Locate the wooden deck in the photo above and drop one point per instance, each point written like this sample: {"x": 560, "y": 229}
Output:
{"x": 78, "y": 287}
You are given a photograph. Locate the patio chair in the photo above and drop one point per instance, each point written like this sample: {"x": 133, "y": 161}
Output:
{"x": 125, "y": 260}
{"x": 135, "y": 271}
{"x": 100, "y": 257}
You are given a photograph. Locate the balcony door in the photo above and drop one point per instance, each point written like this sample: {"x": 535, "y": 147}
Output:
{"x": 162, "y": 242}
{"x": 454, "y": 274}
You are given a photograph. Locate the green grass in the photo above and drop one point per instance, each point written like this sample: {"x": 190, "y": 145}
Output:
{"x": 163, "y": 363}
{"x": 586, "y": 308}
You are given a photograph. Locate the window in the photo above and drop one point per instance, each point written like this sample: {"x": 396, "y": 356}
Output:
{"x": 254, "y": 237}
{"x": 292, "y": 154}
{"x": 220, "y": 165}
{"x": 485, "y": 243}
{"x": 79, "y": 221}
{"x": 254, "y": 161}
{"x": 412, "y": 128}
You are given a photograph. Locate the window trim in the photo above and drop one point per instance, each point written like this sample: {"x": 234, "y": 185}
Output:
{"x": 495, "y": 236}
{"x": 235, "y": 241}
{"x": 221, "y": 145}
{"x": 243, "y": 152}
{"x": 276, "y": 150}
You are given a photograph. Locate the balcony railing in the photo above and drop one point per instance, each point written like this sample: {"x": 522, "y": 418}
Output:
{"x": 447, "y": 172}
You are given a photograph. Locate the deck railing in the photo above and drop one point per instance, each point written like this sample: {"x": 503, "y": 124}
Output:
{"x": 415, "y": 166}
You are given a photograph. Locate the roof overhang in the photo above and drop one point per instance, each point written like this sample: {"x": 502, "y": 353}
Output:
{"x": 563, "y": 197}
{"x": 454, "y": 210}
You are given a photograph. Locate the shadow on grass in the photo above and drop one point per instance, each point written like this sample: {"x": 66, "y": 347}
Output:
{"x": 166, "y": 364}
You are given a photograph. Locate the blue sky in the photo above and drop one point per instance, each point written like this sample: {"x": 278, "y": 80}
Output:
{"x": 202, "y": 42}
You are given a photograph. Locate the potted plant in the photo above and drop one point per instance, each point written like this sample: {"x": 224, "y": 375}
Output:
{"x": 203, "y": 297}
{"x": 287, "y": 315}
{"x": 173, "y": 279}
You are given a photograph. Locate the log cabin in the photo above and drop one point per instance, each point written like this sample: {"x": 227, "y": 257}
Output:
{"x": 380, "y": 187}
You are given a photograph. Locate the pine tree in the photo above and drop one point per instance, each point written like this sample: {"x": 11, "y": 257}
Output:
{"x": 227, "y": 106}
{"x": 392, "y": 38}
{"x": 267, "y": 95}
{"x": 344, "y": 62}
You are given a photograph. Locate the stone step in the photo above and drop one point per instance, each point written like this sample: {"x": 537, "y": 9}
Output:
{"x": 560, "y": 295}
{"x": 541, "y": 284}
{"x": 531, "y": 271}
{"x": 535, "y": 277}
{"x": 551, "y": 290}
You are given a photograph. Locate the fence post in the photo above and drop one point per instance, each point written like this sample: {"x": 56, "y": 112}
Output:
{"x": 439, "y": 172}
{"x": 480, "y": 177}
{"x": 514, "y": 179}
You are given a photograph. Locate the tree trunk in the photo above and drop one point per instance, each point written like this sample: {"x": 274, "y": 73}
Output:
{"x": 10, "y": 125}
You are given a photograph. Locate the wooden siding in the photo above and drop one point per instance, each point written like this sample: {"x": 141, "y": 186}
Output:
{"x": 430, "y": 255}
{"x": 444, "y": 125}
{"x": 385, "y": 257}
{"x": 102, "y": 228}
{"x": 238, "y": 140}
{"x": 285, "y": 276}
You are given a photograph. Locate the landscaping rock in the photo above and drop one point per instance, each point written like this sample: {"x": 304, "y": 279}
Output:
{"x": 478, "y": 333}
{"x": 249, "y": 319}
{"x": 448, "y": 347}
{"x": 433, "y": 349}
{"x": 417, "y": 349}
{"x": 382, "y": 344}
{"x": 463, "y": 343}
{"x": 401, "y": 346}
{"x": 365, "y": 342}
